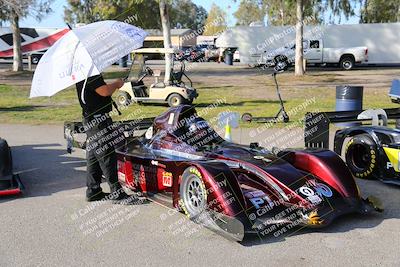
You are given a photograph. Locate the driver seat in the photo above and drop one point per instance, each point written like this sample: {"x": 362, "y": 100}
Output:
{"x": 139, "y": 89}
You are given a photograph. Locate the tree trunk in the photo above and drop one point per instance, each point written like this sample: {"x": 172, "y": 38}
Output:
{"x": 167, "y": 39}
{"x": 299, "y": 70}
{"x": 17, "y": 53}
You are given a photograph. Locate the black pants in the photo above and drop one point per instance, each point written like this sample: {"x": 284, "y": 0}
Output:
{"x": 100, "y": 155}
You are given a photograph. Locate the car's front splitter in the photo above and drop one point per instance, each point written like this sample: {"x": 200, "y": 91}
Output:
{"x": 316, "y": 217}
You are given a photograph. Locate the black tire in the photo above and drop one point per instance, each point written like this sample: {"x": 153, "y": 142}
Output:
{"x": 247, "y": 117}
{"x": 193, "y": 193}
{"x": 285, "y": 117}
{"x": 361, "y": 156}
{"x": 347, "y": 63}
{"x": 35, "y": 59}
{"x": 281, "y": 63}
{"x": 123, "y": 99}
{"x": 175, "y": 100}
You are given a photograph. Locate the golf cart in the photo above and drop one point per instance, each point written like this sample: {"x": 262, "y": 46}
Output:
{"x": 174, "y": 94}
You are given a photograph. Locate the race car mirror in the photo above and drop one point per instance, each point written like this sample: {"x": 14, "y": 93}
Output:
{"x": 231, "y": 118}
{"x": 149, "y": 133}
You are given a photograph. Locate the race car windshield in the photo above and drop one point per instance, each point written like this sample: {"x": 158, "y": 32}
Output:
{"x": 199, "y": 133}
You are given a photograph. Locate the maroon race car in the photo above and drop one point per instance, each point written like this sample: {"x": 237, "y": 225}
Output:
{"x": 233, "y": 188}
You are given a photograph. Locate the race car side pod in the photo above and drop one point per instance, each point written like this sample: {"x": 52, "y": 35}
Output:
{"x": 316, "y": 131}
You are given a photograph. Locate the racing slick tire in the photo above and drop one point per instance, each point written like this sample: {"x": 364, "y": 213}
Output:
{"x": 361, "y": 156}
{"x": 193, "y": 193}
{"x": 123, "y": 99}
{"x": 175, "y": 100}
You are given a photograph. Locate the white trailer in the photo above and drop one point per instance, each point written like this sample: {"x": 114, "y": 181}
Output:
{"x": 34, "y": 41}
{"x": 254, "y": 43}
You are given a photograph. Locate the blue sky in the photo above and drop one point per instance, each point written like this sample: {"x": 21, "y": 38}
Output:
{"x": 56, "y": 20}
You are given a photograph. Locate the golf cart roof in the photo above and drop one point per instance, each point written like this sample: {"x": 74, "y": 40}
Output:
{"x": 155, "y": 51}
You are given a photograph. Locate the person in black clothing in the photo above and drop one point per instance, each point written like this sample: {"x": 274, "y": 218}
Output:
{"x": 96, "y": 102}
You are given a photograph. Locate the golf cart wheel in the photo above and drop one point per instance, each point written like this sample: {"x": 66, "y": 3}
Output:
{"x": 193, "y": 193}
{"x": 123, "y": 98}
{"x": 175, "y": 100}
{"x": 361, "y": 156}
{"x": 347, "y": 63}
{"x": 247, "y": 117}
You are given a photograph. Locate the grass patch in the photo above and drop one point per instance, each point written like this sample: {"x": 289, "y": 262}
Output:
{"x": 16, "y": 107}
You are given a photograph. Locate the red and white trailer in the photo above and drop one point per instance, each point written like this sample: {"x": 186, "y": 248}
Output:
{"x": 34, "y": 41}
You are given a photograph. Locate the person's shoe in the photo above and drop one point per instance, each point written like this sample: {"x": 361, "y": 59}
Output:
{"x": 120, "y": 197}
{"x": 97, "y": 197}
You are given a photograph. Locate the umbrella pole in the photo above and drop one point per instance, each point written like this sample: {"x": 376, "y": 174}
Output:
{"x": 84, "y": 84}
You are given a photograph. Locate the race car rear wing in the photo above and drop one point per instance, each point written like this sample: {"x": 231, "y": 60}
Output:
{"x": 316, "y": 130}
{"x": 72, "y": 129}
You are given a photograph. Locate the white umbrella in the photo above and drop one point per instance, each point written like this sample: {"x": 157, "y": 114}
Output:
{"x": 84, "y": 52}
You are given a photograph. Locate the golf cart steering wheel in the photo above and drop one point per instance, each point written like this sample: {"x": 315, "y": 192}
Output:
{"x": 148, "y": 71}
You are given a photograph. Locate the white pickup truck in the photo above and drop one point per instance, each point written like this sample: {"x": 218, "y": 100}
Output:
{"x": 316, "y": 53}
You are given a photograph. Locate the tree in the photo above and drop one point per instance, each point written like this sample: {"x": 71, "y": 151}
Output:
{"x": 141, "y": 13}
{"x": 299, "y": 70}
{"x": 12, "y": 11}
{"x": 216, "y": 21}
{"x": 338, "y": 9}
{"x": 167, "y": 39}
{"x": 249, "y": 11}
{"x": 186, "y": 14}
{"x": 80, "y": 11}
{"x": 283, "y": 12}
{"x": 379, "y": 11}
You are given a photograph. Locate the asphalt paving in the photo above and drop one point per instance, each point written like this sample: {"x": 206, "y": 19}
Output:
{"x": 52, "y": 225}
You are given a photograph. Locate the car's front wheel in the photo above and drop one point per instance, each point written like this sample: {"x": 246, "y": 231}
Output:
{"x": 193, "y": 193}
{"x": 361, "y": 156}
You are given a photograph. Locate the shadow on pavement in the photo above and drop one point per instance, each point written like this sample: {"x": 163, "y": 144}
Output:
{"x": 46, "y": 169}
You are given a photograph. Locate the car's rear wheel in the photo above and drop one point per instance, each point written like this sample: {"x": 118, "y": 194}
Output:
{"x": 361, "y": 156}
{"x": 123, "y": 98}
{"x": 347, "y": 63}
{"x": 175, "y": 100}
{"x": 193, "y": 193}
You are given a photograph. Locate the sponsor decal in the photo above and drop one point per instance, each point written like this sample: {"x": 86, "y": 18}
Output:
{"x": 313, "y": 218}
{"x": 258, "y": 198}
{"x": 315, "y": 194}
{"x": 121, "y": 177}
{"x": 195, "y": 171}
{"x": 394, "y": 158}
{"x": 167, "y": 179}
